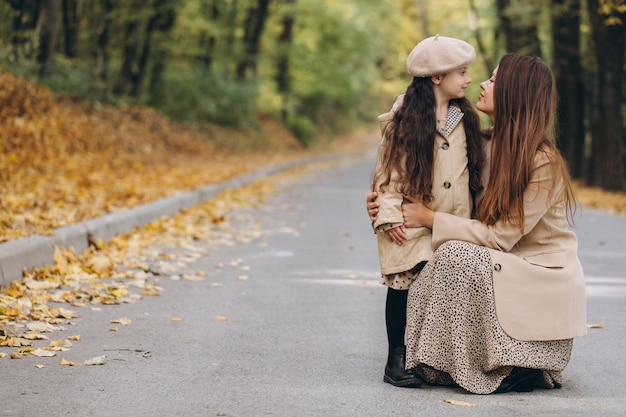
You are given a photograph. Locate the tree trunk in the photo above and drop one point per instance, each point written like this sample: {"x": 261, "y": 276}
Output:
{"x": 162, "y": 20}
{"x": 606, "y": 168}
{"x": 254, "y": 25}
{"x": 140, "y": 72}
{"x": 102, "y": 40}
{"x": 232, "y": 26}
{"x": 569, "y": 81}
{"x": 129, "y": 55}
{"x": 518, "y": 20}
{"x": 283, "y": 79}
{"x": 482, "y": 50}
{"x": 47, "y": 25}
{"x": 70, "y": 26}
{"x": 209, "y": 41}
{"x": 24, "y": 17}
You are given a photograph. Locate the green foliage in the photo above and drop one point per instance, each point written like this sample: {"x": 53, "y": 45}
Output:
{"x": 66, "y": 77}
{"x": 303, "y": 128}
{"x": 196, "y": 95}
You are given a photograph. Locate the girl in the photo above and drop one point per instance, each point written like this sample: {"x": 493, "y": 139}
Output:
{"x": 430, "y": 149}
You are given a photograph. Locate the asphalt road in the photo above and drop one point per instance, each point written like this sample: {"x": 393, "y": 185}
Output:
{"x": 291, "y": 323}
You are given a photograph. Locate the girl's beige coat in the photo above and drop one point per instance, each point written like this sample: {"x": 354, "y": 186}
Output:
{"x": 450, "y": 194}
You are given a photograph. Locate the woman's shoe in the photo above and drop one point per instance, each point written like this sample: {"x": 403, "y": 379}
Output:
{"x": 396, "y": 374}
{"x": 519, "y": 380}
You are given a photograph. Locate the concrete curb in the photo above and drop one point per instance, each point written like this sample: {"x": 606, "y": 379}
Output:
{"x": 37, "y": 251}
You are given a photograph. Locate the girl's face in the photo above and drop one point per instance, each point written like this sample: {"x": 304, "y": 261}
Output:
{"x": 453, "y": 84}
{"x": 485, "y": 100}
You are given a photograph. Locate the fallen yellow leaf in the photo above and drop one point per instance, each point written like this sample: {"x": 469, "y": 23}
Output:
{"x": 43, "y": 353}
{"x": 221, "y": 318}
{"x": 176, "y": 318}
{"x": 460, "y": 403}
{"x": 64, "y": 362}
{"x": 75, "y": 338}
{"x": 123, "y": 321}
{"x": 191, "y": 278}
{"x": 56, "y": 343}
{"x": 98, "y": 360}
{"x": 596, "y": 326}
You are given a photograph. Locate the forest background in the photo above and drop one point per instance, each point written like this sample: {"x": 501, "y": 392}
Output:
{"x": 318, "y": 68}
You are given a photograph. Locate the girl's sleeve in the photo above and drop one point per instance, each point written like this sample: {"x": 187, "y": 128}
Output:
{"x": 385, "y": 118}
{"x": 502, "y": 235}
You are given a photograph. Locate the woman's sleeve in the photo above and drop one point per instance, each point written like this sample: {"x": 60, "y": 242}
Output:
{"x": 502, "y": 235}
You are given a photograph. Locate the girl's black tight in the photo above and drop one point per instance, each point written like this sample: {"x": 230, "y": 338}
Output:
{"x": 395, "y": 317}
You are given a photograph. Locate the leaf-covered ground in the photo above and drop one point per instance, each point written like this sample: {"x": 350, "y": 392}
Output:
{"x": 63, "y": 162}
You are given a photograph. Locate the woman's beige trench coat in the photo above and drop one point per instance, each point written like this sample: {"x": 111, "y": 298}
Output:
{"x": 538, "y": 280}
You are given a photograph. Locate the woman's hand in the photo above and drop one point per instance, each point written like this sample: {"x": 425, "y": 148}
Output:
{"x": 416, "y": 214}
{"x": 372, "y": 206}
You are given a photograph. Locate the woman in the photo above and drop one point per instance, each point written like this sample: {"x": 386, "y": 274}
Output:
{"x": 497, "y": 306}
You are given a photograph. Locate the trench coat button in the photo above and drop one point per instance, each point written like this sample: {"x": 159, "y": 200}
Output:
{"x": 447, "y": 185}
{"x": 445, "y": 146}
{"x": 497, "y": 267}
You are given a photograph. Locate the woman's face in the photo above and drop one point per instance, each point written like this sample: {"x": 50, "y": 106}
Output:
{"x": 485, "y": 100}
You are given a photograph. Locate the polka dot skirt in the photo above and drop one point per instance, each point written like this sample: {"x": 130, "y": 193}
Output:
{"x": 453, "y": 336}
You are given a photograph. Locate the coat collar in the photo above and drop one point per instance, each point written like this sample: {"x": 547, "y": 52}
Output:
{"x": 454, "y": 118}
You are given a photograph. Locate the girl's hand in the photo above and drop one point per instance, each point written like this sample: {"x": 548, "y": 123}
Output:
{"x": 416, "y": 214}
{"x": 396, "y": 235}
{"x": 372, "y": 206}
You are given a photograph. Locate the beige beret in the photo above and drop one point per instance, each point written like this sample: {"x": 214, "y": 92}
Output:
{"x": 439, "y": 55}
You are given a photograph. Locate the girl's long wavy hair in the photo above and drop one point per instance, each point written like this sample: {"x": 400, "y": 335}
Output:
{"x": 410, "y": 140}
{"x": 525, "y": 103}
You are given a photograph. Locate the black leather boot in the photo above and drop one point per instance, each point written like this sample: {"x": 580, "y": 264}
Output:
{"x": 396, "y": 374}
{"x": 519, "y": 380}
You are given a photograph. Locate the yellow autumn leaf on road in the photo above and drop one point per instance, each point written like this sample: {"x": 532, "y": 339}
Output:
{"x": 98, "y": 360}
{"x": 221, "y": 318}
{"x": 34, "y": 336}
{"x": 15, "y": 342}
{"x": 123, "y": 321}
{"x": 44, "y": 353}
{"x": 191, "y": 277}
{"x": 176, "y": 318}
{"x": 41, "y": 285}
{"x": 62, "y": 312}
{"x": 75, "y": 337}
{"x": 67, "y": 363}
{"x": 596, "y": 326}
{"x": 460, "y": 403}
{"x": 56, "y": 343}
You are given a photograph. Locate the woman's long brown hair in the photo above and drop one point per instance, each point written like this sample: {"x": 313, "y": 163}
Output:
{"x": 408, "y": 149}
{"x": 524, "y": 124}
